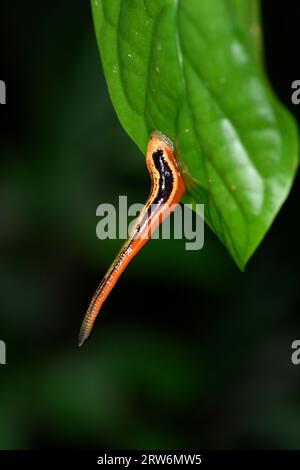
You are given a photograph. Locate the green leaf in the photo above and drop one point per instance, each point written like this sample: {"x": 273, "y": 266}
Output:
{"x": 191, "y": 68}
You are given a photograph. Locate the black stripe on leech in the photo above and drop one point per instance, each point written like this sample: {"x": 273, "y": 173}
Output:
{"x": 165, "y": 187}
{"x": 166, "y": 179}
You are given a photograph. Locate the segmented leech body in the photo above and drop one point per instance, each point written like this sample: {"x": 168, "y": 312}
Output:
{"x": 167, "y": 189}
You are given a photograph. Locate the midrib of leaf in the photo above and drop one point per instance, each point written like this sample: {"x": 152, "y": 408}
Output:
{"x": 181, "y": 60}
{"x": 150, "y": 57}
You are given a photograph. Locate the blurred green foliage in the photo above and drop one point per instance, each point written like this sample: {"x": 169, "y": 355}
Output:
{"x": 188, "y": 353}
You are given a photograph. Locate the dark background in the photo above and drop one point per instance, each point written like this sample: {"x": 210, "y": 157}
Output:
{"x": 189, "y": 352}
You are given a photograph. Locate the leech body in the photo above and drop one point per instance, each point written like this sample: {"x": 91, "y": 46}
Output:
{"x": 167, "y": 189}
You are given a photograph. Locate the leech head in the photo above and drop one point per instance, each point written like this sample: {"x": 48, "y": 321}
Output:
{"x": 158, "y": 137}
